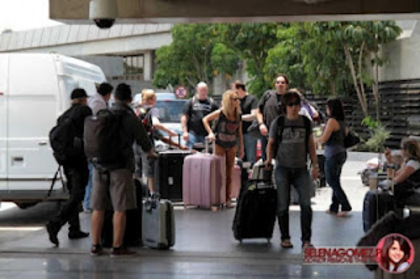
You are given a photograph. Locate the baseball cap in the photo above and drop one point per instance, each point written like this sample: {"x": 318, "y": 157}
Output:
{"x": 78, "y": 93}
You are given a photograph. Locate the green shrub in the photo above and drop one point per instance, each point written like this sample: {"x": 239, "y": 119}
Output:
{"x": 378, "y": 135}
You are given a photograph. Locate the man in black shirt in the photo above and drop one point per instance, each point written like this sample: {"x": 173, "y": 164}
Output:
{"x": 249, "y": 106}
{"x": 76, "y": 171}
{"x": 193, "y": 113}
{"x": 269, "y": 108}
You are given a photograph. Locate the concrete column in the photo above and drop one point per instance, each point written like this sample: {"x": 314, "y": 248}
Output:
{"x": 148, "y": 65}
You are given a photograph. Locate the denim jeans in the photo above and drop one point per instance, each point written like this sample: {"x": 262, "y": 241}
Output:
{"x": 86, "y": 201}
{"x": 264, "y": 142}
{"x": 299, "y": 177}
{"x": 250, "y": 146}
{"x": 333, "y": 166}
{"x": 193, "y": 138}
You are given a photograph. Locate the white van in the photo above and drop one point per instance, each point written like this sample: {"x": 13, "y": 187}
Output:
{"x": 34, "y": 90}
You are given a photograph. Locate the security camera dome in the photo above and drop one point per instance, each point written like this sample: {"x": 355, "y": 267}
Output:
{"x": 104, "y": 23}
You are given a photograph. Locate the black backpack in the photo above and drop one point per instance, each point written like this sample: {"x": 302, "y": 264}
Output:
{"x": 64, "y": 140}
{"x": 145, "y": 118}
{"x": 104, "y": 139}
{"x": 280, "y": 127}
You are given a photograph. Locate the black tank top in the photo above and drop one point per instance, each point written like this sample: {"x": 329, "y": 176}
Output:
{"x": 226, "y": 131}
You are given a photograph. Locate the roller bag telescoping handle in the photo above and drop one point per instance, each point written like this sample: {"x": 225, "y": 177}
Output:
{"x": 179, "y": 142}
{"x": 266, "y": 175}
{"x": 207, "y": 145}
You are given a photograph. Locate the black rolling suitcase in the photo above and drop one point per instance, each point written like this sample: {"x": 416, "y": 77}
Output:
{"x": 168, "y": 174}
{"x": 133, "y": 230}
{"x": 375, "y": 205}
{"x": 256, "y": 210}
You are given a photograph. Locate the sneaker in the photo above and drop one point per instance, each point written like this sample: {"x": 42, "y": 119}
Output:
{"x": 96, "y": 250}
{"x": 122, "y": 252}
{"x": 307, "y": 244}
{"x": 286, "y": 243}
{"x": 78, "y": 234}
{"x": 52, "y": 233}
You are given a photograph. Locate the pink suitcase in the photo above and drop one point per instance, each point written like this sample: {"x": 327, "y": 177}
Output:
{"x": 203, "y": 182}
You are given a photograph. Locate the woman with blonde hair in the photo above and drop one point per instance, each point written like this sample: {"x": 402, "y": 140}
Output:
{"x": 228, "y": 129}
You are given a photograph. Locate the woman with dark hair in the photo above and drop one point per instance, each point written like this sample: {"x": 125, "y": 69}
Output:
{"x": 395, "y": 254}
{"x": 335, "y": 155}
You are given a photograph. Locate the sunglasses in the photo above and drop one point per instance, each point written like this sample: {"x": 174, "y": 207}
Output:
{"x": 280, "y": 82}
{"x": 293, "y": 104}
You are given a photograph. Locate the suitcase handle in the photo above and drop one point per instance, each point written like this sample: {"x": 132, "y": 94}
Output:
{"x": 261, "y": 170}
{"x": 207, "y": 143}
{"x": 152, "y": 201}
{"x": 172, "y": 146}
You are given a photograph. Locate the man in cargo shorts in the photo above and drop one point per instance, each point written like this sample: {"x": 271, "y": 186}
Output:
{"x": 116, "y": 187}
{"x": 97, "y": 102}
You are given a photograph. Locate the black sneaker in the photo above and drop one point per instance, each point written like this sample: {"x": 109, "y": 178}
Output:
{"x": 52, "y": 233}
{"x": 122, "y": 252}
{"x": 78, "y": 234}
{"x": 307, "y": 244}
{"x": 96, "y": 250}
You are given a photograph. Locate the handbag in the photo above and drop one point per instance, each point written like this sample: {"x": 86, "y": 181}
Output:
{"x": 351, "y": 140}
{"x": 254, "y": 129}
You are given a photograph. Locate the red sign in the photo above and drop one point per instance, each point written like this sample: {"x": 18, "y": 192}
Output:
{"x": 181, "y": 92}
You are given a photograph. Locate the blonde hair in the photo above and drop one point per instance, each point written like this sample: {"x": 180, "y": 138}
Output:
{"x": 230, "y": 108}
{"x": 411, "y": 148}
{"x": 147, "y": 95}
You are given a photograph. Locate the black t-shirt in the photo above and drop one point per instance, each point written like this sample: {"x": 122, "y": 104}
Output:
{"x": 270, "y": 106}
{"x": 196, "y": 109}
{"x": 248, "y": 103}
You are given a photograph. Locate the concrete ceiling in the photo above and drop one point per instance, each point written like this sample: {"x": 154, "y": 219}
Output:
{"x": 229, "y": 11}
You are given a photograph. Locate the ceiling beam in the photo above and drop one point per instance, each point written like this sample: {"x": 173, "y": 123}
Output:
{"x": 175, "y": 11}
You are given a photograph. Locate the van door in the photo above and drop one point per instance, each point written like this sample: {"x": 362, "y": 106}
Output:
{"x": 32, "y": 97}
{"x": 3, "y": 121}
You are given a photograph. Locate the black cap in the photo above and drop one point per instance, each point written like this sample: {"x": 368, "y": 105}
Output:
{"x": 78, "y": 93}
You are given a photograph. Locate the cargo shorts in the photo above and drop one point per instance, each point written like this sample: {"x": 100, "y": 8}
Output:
{"x": 113, "y": 191}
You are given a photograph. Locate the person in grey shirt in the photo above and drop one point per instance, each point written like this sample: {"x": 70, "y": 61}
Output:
{"x": 96, "y": 103}
{"x": 116, "y": 187}
{"x": 293, "y": 142}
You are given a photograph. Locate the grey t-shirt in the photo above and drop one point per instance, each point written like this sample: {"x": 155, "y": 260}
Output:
{"x": 292, "y": 150}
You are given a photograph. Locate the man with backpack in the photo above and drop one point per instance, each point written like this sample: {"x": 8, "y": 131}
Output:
{"x": 97, "y": 102}
{"x": 67, "y": 142}
{"x": 269, "y": 108}
{"x": 113, "y": 185}
{"x": 290, "y": 142}
{"x": 193, "y": 113}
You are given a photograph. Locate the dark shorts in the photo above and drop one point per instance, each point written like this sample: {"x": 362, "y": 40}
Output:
{"x": 119, "y": 195}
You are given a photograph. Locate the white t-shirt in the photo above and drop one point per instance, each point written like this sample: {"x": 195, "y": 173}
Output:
{"x": 414, "y": 164}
